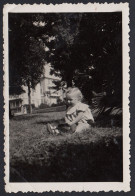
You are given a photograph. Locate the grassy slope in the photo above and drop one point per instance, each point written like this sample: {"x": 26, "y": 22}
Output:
{"x": 35, "y": 155}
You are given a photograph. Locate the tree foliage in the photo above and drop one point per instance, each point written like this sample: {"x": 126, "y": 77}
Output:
{"x": 26, "y": 51}
{"x": 88, "y": 53}
{"x": 84, "y": 49}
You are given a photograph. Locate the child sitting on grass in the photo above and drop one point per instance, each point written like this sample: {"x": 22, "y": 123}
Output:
{"x": 78, "y": 115}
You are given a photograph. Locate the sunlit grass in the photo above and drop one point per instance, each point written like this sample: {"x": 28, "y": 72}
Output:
{"x": 31, "y": 145}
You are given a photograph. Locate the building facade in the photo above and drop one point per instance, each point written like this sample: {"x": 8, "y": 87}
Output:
{"x": 49, "y": 94}
{"x": 44, "y": 93}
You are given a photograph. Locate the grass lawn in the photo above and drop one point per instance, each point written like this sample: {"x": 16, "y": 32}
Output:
{"x": 37, "y": 156}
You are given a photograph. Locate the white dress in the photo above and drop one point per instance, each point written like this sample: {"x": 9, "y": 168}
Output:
{"x": 73, "y": 111}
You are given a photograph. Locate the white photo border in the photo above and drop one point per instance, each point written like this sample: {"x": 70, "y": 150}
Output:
{"x": 75, "y": 186}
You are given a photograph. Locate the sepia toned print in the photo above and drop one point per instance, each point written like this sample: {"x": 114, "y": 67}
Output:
{"x": 66, "y": 97}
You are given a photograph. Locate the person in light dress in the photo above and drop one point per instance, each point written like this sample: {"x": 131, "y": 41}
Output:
{"x": 78, "y": 115}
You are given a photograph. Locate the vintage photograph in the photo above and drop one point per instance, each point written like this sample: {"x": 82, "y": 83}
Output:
{"x": 65, "y": 103}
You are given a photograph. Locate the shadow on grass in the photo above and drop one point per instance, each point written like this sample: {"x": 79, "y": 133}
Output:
{"x": 25, "y": 117}
{"x": 56, "y": 122}
{"x": 72, "y": 162}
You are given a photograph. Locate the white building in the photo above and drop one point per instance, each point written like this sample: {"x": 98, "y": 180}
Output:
{"x": 44, "y": 92}
{"x": 35, "y": 96}
{"x": 18, "y": 103}
{"x": 49, "y": 94}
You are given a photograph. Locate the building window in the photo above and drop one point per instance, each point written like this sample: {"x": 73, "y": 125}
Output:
{"x": 17, "y": 104}
{"x": 11, "y": 105}
{"x": 14, "y": 105}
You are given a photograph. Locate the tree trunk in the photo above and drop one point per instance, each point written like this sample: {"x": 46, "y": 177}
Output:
{"x": 29, "y": 98}
{"x": 69, "y": 79}
{"x": 69, "y": 83}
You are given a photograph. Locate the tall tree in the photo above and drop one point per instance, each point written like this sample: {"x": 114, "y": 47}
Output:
{"x": 84, "y": 49}
{"x": 101, "y": 38}
{"x": 66, "y": 31}
{"x": 88, "y": 53}
{"x": 26, "y": 52}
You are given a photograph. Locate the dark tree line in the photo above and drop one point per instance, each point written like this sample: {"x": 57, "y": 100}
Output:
{"x": 92, "y": 60}
{"x": 26, "y": 52}
{"x": 84, "y": 49}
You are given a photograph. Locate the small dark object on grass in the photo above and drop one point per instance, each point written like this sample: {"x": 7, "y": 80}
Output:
{"x": 56, "y": 128}
{"x": 66, "y": 128}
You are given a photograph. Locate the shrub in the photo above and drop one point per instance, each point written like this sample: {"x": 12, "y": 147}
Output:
{"x": 43, "y": 105}
{"x": 58, "y": 104}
